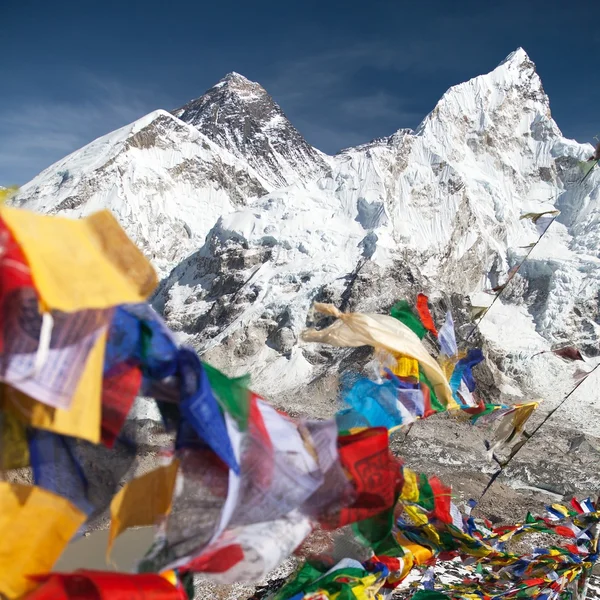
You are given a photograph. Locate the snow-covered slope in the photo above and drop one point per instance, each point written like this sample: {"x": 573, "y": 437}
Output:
{"x": 165, "y": 182}
{"x": 239, "y": 115}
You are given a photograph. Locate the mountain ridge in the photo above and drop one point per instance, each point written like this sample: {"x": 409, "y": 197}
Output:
{"x": 244, "y": 252}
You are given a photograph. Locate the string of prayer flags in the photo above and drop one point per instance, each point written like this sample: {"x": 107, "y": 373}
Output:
{"x": 381, "y": 331}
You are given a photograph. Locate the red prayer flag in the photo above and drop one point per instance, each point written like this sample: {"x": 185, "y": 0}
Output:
{"x": 568, "y": 353}
{"x": 14, "y": 272}
{"x": 218, "y": 561}
{"x": 425, "y": 315}
{"x": 374, "y": 472}
{"x": 441, "y": 499}
{"x": 119, "y": 390}
{"x": 104, "y": 585}
{"x": 564, "y": 531}
{"x": 576, "y": 506}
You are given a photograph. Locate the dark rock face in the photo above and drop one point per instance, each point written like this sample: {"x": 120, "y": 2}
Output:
{"x": 240, "y": 116}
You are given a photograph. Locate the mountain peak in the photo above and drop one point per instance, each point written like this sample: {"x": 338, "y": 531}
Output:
{"x": 240, "y": 116}
{"x": 239, "y": 85}
{"x": 517, "y": 57}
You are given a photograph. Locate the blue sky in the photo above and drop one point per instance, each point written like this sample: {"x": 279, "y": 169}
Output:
{"x": 343, "y": 71}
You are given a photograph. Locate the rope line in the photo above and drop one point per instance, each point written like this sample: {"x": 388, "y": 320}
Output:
{"x": 532, "y": 434}
{"x": 596, "y": 158}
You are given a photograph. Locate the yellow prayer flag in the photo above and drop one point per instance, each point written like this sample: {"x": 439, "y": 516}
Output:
{"x": 80, "y": 264}
{"x": 142, "y": 501}
{"x": 448, "y": 365}
{"x": 417, "y": 516}
{"x": 35, "y": 527}
{"x": 83, "y": 418}
{"x": 410, "y": 489}
{"x": 563, "y": 510}
{"x": 419, "y": 554}
{"x": 406, "y": 367}
{"x": 365, "y": 588}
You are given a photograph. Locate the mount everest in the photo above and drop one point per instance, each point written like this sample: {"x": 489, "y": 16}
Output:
{"x": 248, "y": 225}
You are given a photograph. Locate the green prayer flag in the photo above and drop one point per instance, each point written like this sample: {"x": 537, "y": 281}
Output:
{"x": 232, "y": 394}
{"x": 429, "y": 595}
{"x": 405, "y": 314}
{"x": 436, "y": 405}
{"x": 425, "y": 493}
{"x": 307, "y": 574}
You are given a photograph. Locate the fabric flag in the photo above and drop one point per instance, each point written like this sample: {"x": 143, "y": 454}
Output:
{"x": 375, "y": 474}
{"x": 442, "y": 500}
{"x": 56, "y": 468}
{"x": 348, "y": 579}
{"x": 232, "y": 393}
{"x": 337, "y": 490}
{"x": 6, "y": 193}
{"x": 139, "y": 336}
{"x": 380, "y": 331}
{"x": 199, "y": 407}
{"x": 569, "y": 353}
{"x": 142, "y": 501}
{"x": 423, "y": 310}
{"x": 119, "y": 390}
{"x": 463, "y": 370}
{"x": 512, "y": 422}
{"x": 542, "y": 220}
{"x": 429, "y": 595}
{"x": 100, "y": 585}
{"x": 36, "y": 526}
{"x": 80, "y": 264}
{"x": 535, "y": 217}
{"x": 15, "y": 274}
{"x": 139, "y": 343}
{"x": 403, "y": 312}
{"x": 42, "y": 355}
{"x": 52, "y": 380}
{"x": 378, "y": 404}
{"x": 195, "y": 516}
{"x": 283, "y": 466}
{"x": 447, "y": 337}
{"x": 82, "y": 419}
{"x": 263, "y": 546}
{"x": 407, "y": 368}
{"x": 279, "y": 470}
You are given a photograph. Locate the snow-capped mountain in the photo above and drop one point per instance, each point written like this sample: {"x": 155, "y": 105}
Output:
{"x": 165, "y": 182}
{"x": 436, "y": 210}
{"x": 240, "y": 116}
{"x": 440, "y": 206}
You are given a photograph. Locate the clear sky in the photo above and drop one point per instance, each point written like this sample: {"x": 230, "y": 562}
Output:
{"x": 343, "y": 71}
